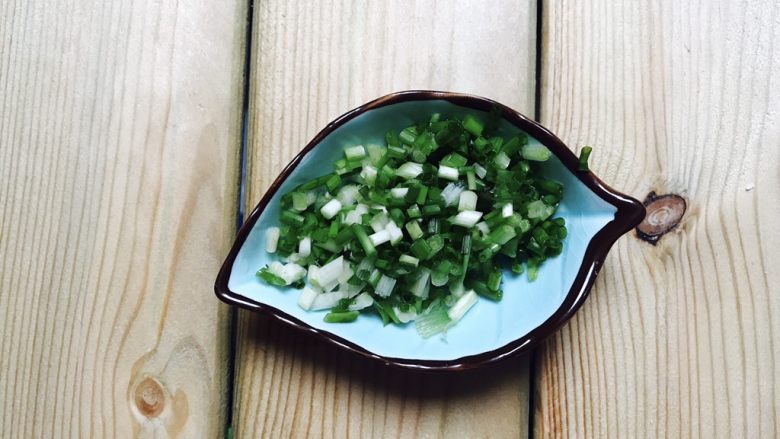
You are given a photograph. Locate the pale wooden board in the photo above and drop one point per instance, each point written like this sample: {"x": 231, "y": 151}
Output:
{"x": 681, "y": 339}
{"x": 119, "y": 140}
{"x": 313, "y": 61}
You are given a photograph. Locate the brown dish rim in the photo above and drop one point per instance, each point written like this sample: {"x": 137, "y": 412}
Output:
{"x": 629, "y": 214}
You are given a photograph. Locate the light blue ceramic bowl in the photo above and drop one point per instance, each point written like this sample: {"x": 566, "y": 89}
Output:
{"x": 595, "y": 216}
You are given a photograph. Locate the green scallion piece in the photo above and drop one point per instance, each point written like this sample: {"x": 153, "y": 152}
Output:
{"x": 421, "y": 249}
{"x": 341, "y": 317}
{"x": 291, "y": 218}
{"x": 363, "y": 239}
{"x": 472, "y": 125}
{"x": 422, "y": 195}
{"x": 584, "y": 155}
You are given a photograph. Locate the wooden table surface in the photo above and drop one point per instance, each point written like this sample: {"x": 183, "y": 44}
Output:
{"x": 124, "y": 127}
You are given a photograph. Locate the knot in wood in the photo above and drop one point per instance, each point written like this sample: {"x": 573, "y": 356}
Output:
{"x": 149, "y": 397}
{"x": 664, "y": 212}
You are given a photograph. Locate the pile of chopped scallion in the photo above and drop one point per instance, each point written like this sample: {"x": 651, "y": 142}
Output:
{"x": 419, "y": 229}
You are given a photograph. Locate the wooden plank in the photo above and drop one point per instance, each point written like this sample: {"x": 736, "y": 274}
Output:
{"x": 678, "y": 339}
{"x": 312, "y": 62}
{"x": 119, "y": 134}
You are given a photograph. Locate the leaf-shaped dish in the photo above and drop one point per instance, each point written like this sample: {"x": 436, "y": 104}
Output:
{"x": 596, "y": 216}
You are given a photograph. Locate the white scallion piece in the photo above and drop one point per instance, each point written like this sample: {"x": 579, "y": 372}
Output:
{"x": 405, "y": 317}
{"x": 501, "y": 160}
{"x": 355, "y": 216}
{"x": 451, "y": 193}
{"x": 448, "y": 173}
{"x": 328, "y": 300}
{"x": 536, "y": 152}
{"x": 467, "y": 218}
{"x": 346, "y": 273}
{"x": 304, "y": 247}
{"x": 399, "y": 192}
{"x": 348, "y": 195}
{"x": 421, "y": 285}
{"x": 306, "y": 299}
{"x": 396, "y": 235}
{"x": 507, "y": 210}
{"x": 385, "y": 286}
{"x": 331, "y": 208}
{"x": 368, "y": 174}
{"x": 380, "y": 237}
{"x": 409, "y": 170}
{"x": 483, "y": 227}
{"x": 538, "y": 209}
{"x": 290, "y": 272}
{"x": 363, "y": 300}
{"x": 271, "y": 239}
{"x": 355, "y": 152}
{"x": 480, "y": 171}
{"x": 379, "y": 221}
{"x": 328, "y": 274}
{"x": 464, "y": 303}
{"x": 467, "y": 201}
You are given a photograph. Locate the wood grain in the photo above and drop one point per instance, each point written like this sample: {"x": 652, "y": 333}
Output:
{"x": 119, "y": 140}
{"x": 678, "y": 339}
{"x": 313, "y": 61}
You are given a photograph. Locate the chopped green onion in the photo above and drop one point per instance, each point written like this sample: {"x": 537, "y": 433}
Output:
{"x": 536, "y": 152}
{"x": 462, "y": 306}
{"x": 300, "y": 201}
{"x": 501, "y": 160}
{"x": 414, "y": 211}
{"x": 482, "y": 289}
{"x": 539, "y": 210}
{"x": 467, "y": 218}
{"x": 584, "y": 154}
{"x": 453, "y": 160}
{"x": 341, "y": 317}
{"x": 409, "y": 260}
{"x": 379, "y": 238}
{"x": 431, "y": 210}
{"x": 448, "y": 173}
{"x": 408, "y": 136}
{"x": 502, "y": 234}
{"x": 421, "y": 196}
{"x": 385, "y": 286}
{"x": 409, "y": 170}
{"x": 356, "y": 152}
{"x": 507, "y": 210}
{"x": 362, "y": 237}
{"x": 433, "y": 322}
{"x": 368, "y": 174}
{"x": 333, "y": 182}
{"x": 291, "y": 218}
{"x": 471, "y": 178}
{"x": 415, "y": 232}
{"x": 270, "y": 278}
{"x": 481, "y": 171}
{"x": 421, "y": 249}
{"x": 331, "y": 208}
{"x": 271, "y": 239}
{"x": 399, "y": 192}
{"x": 472, "y": 125}
{"x": 467, "y": 201}
{"x": 494, "y": 280}
{"x": 451, "y": 193}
